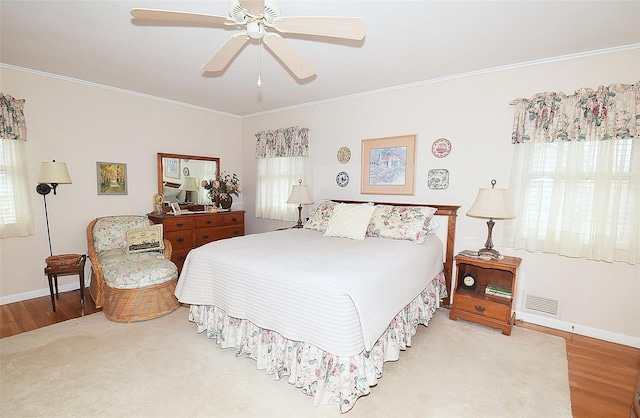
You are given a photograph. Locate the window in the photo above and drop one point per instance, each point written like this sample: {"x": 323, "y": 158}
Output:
{"x": 282, "y": 160}
{"x": 16, "y": 218}
{"x": 276, "y": 176}
{"x": 575, "y": 181}
{"x": 577, "y": 198}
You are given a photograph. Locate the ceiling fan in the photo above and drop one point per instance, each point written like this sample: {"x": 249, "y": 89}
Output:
{"x": 259, "y": 16}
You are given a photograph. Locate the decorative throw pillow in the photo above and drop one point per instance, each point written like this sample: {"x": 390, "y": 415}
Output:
{"x": 401, "y": 222}
{"x": 349, "y": 221}
{"x": 145, "y": 239}
{"x": 319, "y": 217}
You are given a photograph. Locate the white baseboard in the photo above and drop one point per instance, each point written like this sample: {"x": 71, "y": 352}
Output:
{"x": 18, "y": 297}
{"x": 579, "y": 329}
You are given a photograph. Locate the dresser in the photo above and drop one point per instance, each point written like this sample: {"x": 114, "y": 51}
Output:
{"x": 188, "y": 231}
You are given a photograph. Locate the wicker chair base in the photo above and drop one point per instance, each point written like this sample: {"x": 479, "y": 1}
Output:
{"x": 130, "y": 305}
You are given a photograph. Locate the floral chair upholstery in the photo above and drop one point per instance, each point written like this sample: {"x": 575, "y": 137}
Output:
{"x": 129, "y": 286}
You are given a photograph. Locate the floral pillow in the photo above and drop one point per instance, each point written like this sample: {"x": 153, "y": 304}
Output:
{"x": 319, "y": 217}
{"x": 401, "y": 222}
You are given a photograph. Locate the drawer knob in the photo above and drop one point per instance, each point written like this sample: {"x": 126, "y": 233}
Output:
{"x": 180, "y": 240}
{"x": 236, "y": 232}
{"x": 209, "y": 222}
{"x": 479, "y": 308}
{"x": 179, "y": 225}
{"x": 234, "y": 219}
{"x": 205, "y": 236}
{"x": 180, "y": 257}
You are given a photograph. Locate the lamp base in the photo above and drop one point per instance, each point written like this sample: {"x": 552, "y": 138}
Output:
{"x": 488, "y": 252}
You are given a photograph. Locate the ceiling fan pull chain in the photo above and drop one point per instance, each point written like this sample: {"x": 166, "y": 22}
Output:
{"x": 259, "y": 61}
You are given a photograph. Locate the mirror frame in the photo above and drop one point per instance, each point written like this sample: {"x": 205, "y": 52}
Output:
{"x": 162, "y": 155}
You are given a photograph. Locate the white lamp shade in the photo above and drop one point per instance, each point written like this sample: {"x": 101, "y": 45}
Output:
{"x": 189, "y": 184}
{"x": 54, "y": 173}
{"x": 300, "y": 195}
{"x": 491, "y": 203}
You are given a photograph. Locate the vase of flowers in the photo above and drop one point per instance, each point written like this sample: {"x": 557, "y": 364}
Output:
{"x": 221, "y": 190}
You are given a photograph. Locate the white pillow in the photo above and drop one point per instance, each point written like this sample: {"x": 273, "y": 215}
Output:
{"x": 349, "y": 220}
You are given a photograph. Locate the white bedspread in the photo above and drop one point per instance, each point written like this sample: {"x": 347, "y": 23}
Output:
{"x": 336, "y": 293}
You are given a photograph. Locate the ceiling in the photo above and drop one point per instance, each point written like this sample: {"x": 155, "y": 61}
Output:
{"x": 407, "y": 42}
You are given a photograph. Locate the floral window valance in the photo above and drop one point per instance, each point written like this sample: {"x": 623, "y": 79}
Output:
{"x": 588, "y": 115}
{"x": 284, "y": 142}
{"x": 12, "y": 122}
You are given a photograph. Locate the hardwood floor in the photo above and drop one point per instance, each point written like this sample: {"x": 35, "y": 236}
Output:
{"x": 602, "y": 375}
{"x": 28, "y": 315}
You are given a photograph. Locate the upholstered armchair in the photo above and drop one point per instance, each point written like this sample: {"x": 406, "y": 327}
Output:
{"x": 132, "y": 277}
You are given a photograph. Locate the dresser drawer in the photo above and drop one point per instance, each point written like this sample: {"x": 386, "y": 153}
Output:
{"x": 179, "y": 255}
{"x": 219, "y": 220}
{"x": 483, "y": 307}
{"x": 206, "y": 235}
{"x": 180, "y": 239}
{"x": 188, "y": 231}
{"x": 178, "y": 223}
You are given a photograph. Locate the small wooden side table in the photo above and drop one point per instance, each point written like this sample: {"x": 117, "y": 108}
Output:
{"x": 476, "y": 305}
{"x": 53, "y": 272}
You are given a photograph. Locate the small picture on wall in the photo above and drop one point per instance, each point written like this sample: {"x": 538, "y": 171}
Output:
{"x": 172, "y": 168}
{"x": 438, "y": 179}
{"x": 112, "y": 178}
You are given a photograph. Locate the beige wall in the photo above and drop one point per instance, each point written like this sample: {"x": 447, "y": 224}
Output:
{"x": 473, "y": 112}
{"x": 81, "y": 124}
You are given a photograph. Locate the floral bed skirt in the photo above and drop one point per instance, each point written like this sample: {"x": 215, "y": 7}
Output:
{"x": 330, "y": 379}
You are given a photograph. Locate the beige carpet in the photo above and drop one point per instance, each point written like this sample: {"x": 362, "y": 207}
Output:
{"x": 92, "y": 367}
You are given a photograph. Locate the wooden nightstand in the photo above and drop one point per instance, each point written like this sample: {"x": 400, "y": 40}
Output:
{"x": 476, "y": 306}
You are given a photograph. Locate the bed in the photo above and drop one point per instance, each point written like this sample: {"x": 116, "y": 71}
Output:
{"x": 325, "y": 311}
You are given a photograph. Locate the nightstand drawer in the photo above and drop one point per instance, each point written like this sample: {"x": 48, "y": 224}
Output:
{"x": 483, "y": 307}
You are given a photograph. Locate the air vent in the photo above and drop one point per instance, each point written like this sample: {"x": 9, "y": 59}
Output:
{"x": 543, "y": 305}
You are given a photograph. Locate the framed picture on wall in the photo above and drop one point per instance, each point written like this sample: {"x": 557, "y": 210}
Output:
{"x": 112, "y": 178}
{"x": 172, "y": 168}
{"x": 388, "y": 165}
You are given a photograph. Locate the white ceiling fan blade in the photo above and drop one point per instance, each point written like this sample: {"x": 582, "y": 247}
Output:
{"x": 153, "y": 14}
{"x": 289, "y": 56}
{"x": 253, "y": 7}
{"x": 223, "y": 56}
{"x": 336, "y": 27}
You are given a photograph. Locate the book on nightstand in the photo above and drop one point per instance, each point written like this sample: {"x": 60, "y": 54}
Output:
{"x": 498, "y": 291}
{"x": 469, "y": 253}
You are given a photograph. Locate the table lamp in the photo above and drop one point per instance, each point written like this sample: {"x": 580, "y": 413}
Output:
{"x": 300, "y": 195}
{"x": 189, "y": 186}
{"x": 490, "y": 204}
{"x": 51, "y": 175}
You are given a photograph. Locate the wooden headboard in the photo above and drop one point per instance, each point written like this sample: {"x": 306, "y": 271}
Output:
{"x": 451, "y": 212}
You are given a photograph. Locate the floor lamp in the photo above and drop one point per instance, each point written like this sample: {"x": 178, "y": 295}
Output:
{"x": 300, "y": 195}
{"x": 51, "y": 174}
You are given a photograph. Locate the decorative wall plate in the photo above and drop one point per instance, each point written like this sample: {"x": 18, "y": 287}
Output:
{"x": 342, "y": 179}
{"x": 185, "y": 171}
{"x": 344, "y": 155}
{"x": 441, "y": 147}
{"x": 438, "y": 179}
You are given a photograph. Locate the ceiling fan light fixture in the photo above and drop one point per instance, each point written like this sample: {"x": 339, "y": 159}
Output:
{"x": 255, "y": 29}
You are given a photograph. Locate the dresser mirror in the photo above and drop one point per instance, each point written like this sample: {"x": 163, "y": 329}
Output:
{"x": 180, "y": 177}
